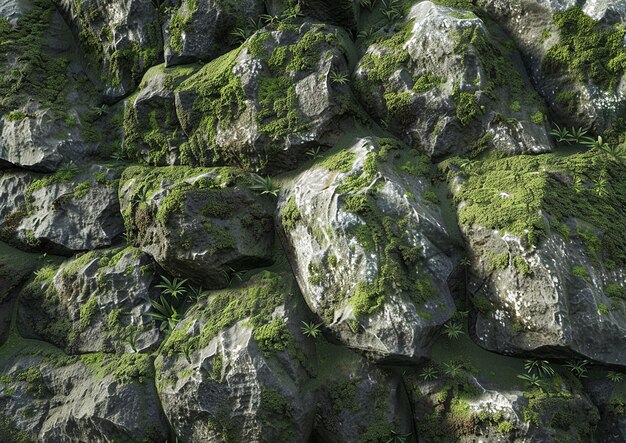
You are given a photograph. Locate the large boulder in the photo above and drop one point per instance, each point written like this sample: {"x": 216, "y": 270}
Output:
{"x": 264, "y": 105}
{"x": 121, "y": 39}
{"x": 94, "y": 303}
{"x": 71, "y": 210}
{"x": 237, "y": 365}
{"x": 368, "y": 245}
{"x": 98, "y": 397}
{"x": 575, "y": 55}
{"x": 448, "y": 83}
{"x": 202, "y": 224}
{"x": 40, "y": 127}
{"x": 203, "y": 30}
{"x": 548, "y": 261}
{"x": 151, "y": 128}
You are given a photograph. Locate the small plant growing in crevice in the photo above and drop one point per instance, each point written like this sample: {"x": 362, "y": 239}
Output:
{"x": 429, "y": 373}
{"x": 311, "y": 329}
{"x": 531, "y": 380}
{"x": 615, "y": 377}
{"x": 264, "y": 186}
{"x": 578, "y": 367}
{"x": 339, "y": 78}
{"x": 165, "y": 313}
{"x": 174, "y": 288}
{"x": 453, "y": 329}
{"x": 541, "y": 367}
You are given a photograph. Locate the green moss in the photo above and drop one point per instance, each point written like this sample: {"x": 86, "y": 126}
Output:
{"x": 88, "y": 311}
{"x": 290, "y": 215}
{"x": 522, "y": 266}
{"x": 525, "y": 196}
{"x": 35, "y": 70}
{"x": 342, "y": 161}
{"x": 220, "y": 100}
{"x": 615, "y": 290}
{"x": 587, "y": 49}
{"x": 276, "y": 412}
{"x": 12, "y": 434}
{"x": 124, "y": 369}
{"x": 426, "y": 82}
{"x": 581, "y": 272}
{"x": 179, "y": 24}
{"x": 467, "y": 107}
{"x": 537, "y": 118}
{"x": 256, "y": 301}
{"x": 273, "y": 336}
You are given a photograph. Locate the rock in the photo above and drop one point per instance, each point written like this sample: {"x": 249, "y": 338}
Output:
{"x": 93, "y": 398}
{"x": 548, "y": 264}
{"x": 367, "y": 247}
{"x": 265, "y": 105}
{"x": 358, "y": 401}
{"x": 40, "y": 125}
{"x": 202, "y": 224}
{"x": 121, "y": 39}
{"x": 606, "y": 395}
{"x": 15, "y": 267}
{"x": 94, "y": 303}
{"x": 463, "y": 408}
{"x": 581, "y": 92}
{"x": 446, "y": 77}
{"x": 236, "y": 366}
{"x": 152, "y": 130}
{"x": 203, "y": 30}
{"x": 71, "y": 210}
{"x": 39, "y": 141}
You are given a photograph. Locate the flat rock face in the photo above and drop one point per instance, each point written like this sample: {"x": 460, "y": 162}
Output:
{"x": 352, "y": 234}
{"x": 95, "y": 303}
{"x": 202, "y": 224}
{"x": 71, "y": 210}
{"x": 204, "y": 29}
{"x": 61, "y": 399}
{"x": 244, "y": 379}
{"x": 435, "y": 83}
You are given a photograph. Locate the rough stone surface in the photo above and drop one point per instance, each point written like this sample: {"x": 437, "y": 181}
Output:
{"x": 530, "y": 24}
{"x": 434, "y": 85}
{"x": 52, "y": 399}
{"x": 233, "y": 387}
{"x": 213, "y": 226}
{"x": 95, "y": 303}
{"x": 207, "y": 31}
{"x": 335, "y": 269}
{"x": 69, "y": 211}
{"x": 555, "y": 313}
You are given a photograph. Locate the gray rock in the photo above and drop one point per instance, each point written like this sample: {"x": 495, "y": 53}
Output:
{"x": 53, "y": 398}
{"x": 40, "y": 141}
{"x": 152, "y": 130}
{"x": 202, "y": 224}
{"x": 573, "y": 99}
{"x": 367, "y": 249}
{"x": 206, "y": 32}
{"x": 466, "y": 409}
{"x": 94, "y": 303}
{"x": 358, "y": 401}
{"x": 121, "y": 39}
{"x": 265, "y": 105}
{"x": 15, "y": 267}
{"x": 552, "y": 313}
{"x": 71, "y": 210}
{"x": 605, "y": 394}
{"x": 236, "y": 367}
{"x": 448, "y": 77}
